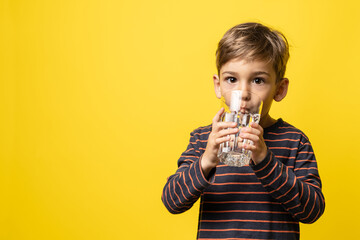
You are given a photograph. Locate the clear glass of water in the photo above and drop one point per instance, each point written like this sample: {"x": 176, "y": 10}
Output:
{"x": 245, "y": 107}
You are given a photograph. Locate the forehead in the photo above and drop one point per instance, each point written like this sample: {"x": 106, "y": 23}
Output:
{"x": 244, "y": 66}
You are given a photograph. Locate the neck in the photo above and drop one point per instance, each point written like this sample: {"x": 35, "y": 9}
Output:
{"x": 267, "y": 121}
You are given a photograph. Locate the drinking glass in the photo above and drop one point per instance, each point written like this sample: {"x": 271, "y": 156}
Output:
{"x": 245, "y": 108}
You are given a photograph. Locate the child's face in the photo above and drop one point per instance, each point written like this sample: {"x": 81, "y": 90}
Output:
{"x": 255, "y": 76}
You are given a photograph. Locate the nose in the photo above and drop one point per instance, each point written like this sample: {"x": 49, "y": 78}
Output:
{"x": 244, "y": 86}
{"x": 245, "y": 96}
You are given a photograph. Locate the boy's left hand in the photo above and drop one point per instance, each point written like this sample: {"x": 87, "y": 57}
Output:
{"x": 255, "y": 134}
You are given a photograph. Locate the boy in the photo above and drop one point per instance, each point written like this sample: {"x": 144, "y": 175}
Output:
{"x": 281, "y": 185}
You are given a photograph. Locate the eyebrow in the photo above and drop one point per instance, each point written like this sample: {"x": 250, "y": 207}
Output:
{"x": 254, "y": 73}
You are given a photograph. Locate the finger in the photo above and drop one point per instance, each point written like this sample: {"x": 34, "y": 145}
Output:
{"x": 228, "y": 131}
{"x": 249, "y": 136}
{"x": 256, "y": 126}
{"x": 218, "y": 141}
{"x": 218, "y": 115}
{"x": 248, "y": 146}
{"x": 251, "y": 130}
{"x": 223, "y": 125}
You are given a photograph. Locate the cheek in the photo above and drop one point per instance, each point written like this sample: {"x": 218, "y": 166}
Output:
{"x": 267, "y": 95}
{"x": 227, "y": 96}
{"x": 226, "y": 93}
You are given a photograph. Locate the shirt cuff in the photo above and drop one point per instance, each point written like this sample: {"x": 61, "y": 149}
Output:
{"x": 202, "y": 179}
{"x": 265, "y": 166}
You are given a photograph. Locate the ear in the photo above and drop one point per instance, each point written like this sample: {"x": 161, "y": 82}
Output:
{"x": 217, "y": 86}
{"x": 281, "y": 89}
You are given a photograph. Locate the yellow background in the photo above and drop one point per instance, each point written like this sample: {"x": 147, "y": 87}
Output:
{"x": 98, "y": 99}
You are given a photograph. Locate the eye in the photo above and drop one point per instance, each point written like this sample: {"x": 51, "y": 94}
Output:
{"x": 231, "y": 79}
{"x": 258, "y": 80}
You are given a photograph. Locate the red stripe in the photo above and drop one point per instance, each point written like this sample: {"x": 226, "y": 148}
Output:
{"x": 307, "y": 177}
{"x": 186, "y": 185}
{"x": 317, "y": 177}
{"x": 282, "y": 166}
{"x": 202, "y": 174}
{"x": 175, "y": 191}
{"x": 189, "y": 150}
{"x": 224, "y": 193}
{"x": 246, "y": 211}
{"x": 249, "y": 220}
{"x": 234, "y": 239}
{"x": 202, "y": 133}
{"x": 177, "y": 182}
{"x": 187, "y": 156}
{"x": 172, "y": 197}
{"x": 283, "y": 148}
{"x": 307, "y": 201}
{"x": 312, "y": 184}
{"x": 192, "y": 182}
{"x": 234, "y": 174}
{"x": 311, "y": 209}
{"x": 276, "y": 163}
{"x": 279, "y": 140}
{"x": 227, "y": 202}
{"x": 166, "y": 198}
{"x": 249, "y": 230}
{"x": 287, "y": 177}
{"x": 297, "y": 194}
{"x": 297, "y": 169}
{"x": 302, "y": 189}
{"x": 288, "y": 190}
{"x": 265, "y": 165}
{"x": 198, "y": 140}
{"x": 288, "y": 127}
{"x": 283, "y": 133}
{"x": 237, "y": 183}
{"x": 224, "y": 165}
{"x": 305, "y": 160}
{"x": 298, "y": 205}
{"x": 188, "y": 160}
{"x": 316, "y": 217}
{"x": 197, "y": 175}
{"x": 278, "y": 156}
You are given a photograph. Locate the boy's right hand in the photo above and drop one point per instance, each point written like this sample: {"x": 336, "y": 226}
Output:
{"x": 219, "y": 134}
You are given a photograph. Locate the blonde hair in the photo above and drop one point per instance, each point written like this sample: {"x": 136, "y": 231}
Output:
{"x": 254, "y": 41}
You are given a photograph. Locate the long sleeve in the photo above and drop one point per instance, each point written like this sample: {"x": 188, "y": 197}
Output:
{"x": 296, "y": 186}
{"x": 184, "y": 188}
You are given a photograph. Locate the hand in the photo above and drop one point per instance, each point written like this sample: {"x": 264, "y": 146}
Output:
{"x": 219, "y": 134}
{"x": 255, "y": 134}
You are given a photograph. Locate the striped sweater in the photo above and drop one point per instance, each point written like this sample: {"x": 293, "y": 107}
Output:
{"x": 264, "y": 201}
